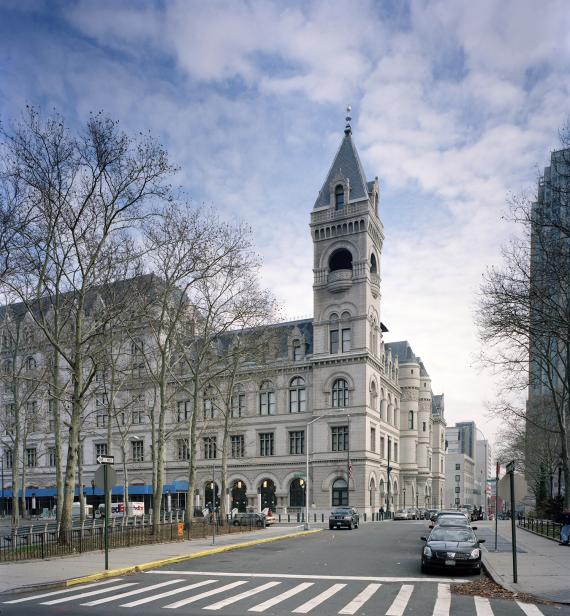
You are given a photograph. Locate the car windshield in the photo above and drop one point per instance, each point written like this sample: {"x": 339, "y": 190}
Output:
{"x": 401, "y": 511}
{"x": 452, "y": 534}
{"x": 342, "y": 510}
{"x": 454, "y": 521}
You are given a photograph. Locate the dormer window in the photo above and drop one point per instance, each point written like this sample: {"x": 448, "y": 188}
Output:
{"x": 339, "y": 197}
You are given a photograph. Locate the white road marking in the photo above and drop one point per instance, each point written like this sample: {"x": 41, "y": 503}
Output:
{"x": 360, "y": 599}
{"x": 61, "y": 592}
{"x": 529, "y": 609}
{"x": 443, "y": 601}
{"x": 321, "y": 598}
{"x": 483, "y": 606}
{"x": 137, "y": 591}
{"x": 88, "y": 594}
{"x": 401, "y": 601}
{"x": 203, "y": 595}
{"x": 168, "y": 593}
{"x": 248, "y": 593}
{"x": 282, "y": 597}
{"x": 292, "y": 576}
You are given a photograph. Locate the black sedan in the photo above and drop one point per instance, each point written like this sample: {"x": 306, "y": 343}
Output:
{"x": 452, "y": 548}
{"x": 344, "y": 516}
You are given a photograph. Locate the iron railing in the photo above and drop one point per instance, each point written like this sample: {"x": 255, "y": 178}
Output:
{"x": 545, "y": 528}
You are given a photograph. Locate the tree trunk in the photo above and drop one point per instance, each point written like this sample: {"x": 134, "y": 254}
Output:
{"x": 125, "y": 478}
{"x": 80, "y": 481}
{"x": 56, "y": 402}
{"x": 190, "y": 500}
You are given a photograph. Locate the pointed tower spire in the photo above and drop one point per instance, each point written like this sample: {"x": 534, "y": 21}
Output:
{"x": 348, "y": 128}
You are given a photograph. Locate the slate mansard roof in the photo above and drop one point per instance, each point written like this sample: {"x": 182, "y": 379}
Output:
{"x": 346, "y": 163}
{"x": 405, "y": 354}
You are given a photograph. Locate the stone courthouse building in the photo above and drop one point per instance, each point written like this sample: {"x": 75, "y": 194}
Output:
{"x": 362, "y": 406}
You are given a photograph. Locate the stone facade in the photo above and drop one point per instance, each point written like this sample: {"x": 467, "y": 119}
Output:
{"x": 369, "y": 403}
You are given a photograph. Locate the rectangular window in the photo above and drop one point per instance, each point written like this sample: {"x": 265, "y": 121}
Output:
{"x": 423, "y": 426}
{"x": 182, "y": 447}
{"x": 210, "y": 448}
{"x": 182, "y": 410}
{"x": 334, "y": 341}
{"x": 266, "y": 444}
{"x": 382, "y": 447}
{"x": 51, "y": 456}
{"x": 100, "y": 450}
{"x": 32, "y": 415}
{"x": 238, "y": 405}
{"x": 101, "y": 403}
{"x": 389, "y": 448}
{"x": 138, "y": 451}
{"x": 51, "y": 415}
{"x": 297, "y": 442}
{"x": 267, "y": 403}
{"x": 458, "y": 467}
{"x": 373, "y": 439}
{"x": 395, "y": 452}
{"x": 31, "y": 456}
{"x": 296, "y": 351}
{"x": 9, "y": 458}
{"x": 238, "y": 445}
{"x": 297, "y": 400}
{"x": 457, "y": 489}
{"x": 339, "y": 438}
{"x": 138, "y": 416}
{"x": 346, "y": 340}
{"x": 457, "y": 477}
{"x": 208, "y": 409}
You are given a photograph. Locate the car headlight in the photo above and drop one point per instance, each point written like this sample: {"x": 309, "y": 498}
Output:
{"x": 347, "y": 517}
{"x": 475, "y": 553}
{"x": 427, "y": 551}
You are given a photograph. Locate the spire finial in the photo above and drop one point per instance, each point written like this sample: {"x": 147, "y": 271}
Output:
{"x": 348, "y": 128}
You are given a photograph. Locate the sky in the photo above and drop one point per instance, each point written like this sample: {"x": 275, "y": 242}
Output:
{"x": 456, "y": 105}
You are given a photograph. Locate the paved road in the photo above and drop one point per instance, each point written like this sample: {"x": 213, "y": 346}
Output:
{"x": 370, "y": 571}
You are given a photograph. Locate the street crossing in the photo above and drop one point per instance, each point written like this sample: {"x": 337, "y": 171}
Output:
{"x": 282, "y": 595}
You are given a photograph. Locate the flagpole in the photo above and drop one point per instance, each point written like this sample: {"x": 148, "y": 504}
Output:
{"x": 348, "y": 465}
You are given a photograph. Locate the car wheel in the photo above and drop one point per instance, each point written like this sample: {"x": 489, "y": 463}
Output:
{"x": 350, "y": 526}
{"x": 235, "y": 522}
{"x": 259, "y": 523}
{"x": 423, "y": 567}
{"x": 331, "y": 526}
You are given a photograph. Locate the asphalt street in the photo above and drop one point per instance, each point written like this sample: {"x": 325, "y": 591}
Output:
{"x": 369, "y": 571}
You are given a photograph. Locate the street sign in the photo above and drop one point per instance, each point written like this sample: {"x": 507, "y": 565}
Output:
{"x": 105, "y": 459}
{"x": 100, "y": 477}
{"x": 511, "y": 467}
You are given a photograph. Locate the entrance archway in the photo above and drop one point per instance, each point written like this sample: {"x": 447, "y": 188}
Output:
{"x": 372, "y": 494}
{"x": 339, "y": 492}
{"x": 297, "y": 493}
{"x": 268, "y": 498}
{"x": 238, "y": 494}
{"x": 209, "y": 493}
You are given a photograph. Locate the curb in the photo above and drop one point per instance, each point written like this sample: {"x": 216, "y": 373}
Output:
{"x": 102, "y": 575}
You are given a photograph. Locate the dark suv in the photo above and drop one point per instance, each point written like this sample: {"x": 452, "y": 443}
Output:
{"x": 344, "y": 516}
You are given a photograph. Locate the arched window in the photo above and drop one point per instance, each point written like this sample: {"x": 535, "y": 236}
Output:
{"x": 410, "y": 420}
{"x": 372, "y": 493}
{"x": 340, "y": 260}
{"x": 340, "y": 394}
{"x": 30, "y": 363}
{"x": 373, "y": 395}
{"x": 339, "y": 197}
{"x": 297, "y": 493}
{"x": 268, "y": 498}
{"x": 267, "y": 398}
{"x": 339, "y": 493}
{"x": 239, "y": 495}
{"x": 373, "y": 264}
{"x": 297, "y": 395}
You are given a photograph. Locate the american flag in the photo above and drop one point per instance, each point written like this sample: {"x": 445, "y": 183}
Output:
{"x": 349, "y": 469}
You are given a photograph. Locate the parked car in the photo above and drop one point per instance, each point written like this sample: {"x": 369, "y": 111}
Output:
{"x": 451, "y": 547}
{"x": 452, "y": 520}
{"x": 402, "y": 514}
{"x": 344, "y": 516}
{"x": 249, "y": 519}
{"x": 450, "y": 512}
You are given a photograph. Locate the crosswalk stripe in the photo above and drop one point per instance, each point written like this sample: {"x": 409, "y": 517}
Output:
{"x": 309, "y": 605}
{"x": 483, "y": 606}
{"x": 168, "y": 593}
{"x": 282, "y": 597}
{"x": 129, "y": 593}
{"x": 87, "y": 594}
{"x": 401, "y": 601}
{"x": 360, "y": 599}
{"x": 248, "y": 593}
{"x": 529, "y": 609}
{"x": 203, "y": 595}
{"x": 61, "y": 592}
{"x": 443, "y": 601}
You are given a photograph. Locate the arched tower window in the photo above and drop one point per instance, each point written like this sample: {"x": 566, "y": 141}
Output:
{"x": 339, "y": 197}
{"x": 340, "y": 394}
{"x": 373, "y": 395}
{"x": 340, "y": 260}
{"x": 410, "y": 420}
{"x": 373, "y": 264}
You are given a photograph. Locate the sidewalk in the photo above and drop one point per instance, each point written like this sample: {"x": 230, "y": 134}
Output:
{"x": 56, "y": 571}
{"x": 543, "y": 565}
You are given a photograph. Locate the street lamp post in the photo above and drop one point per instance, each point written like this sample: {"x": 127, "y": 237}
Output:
{"x": 404, "y": 491}
{"x": 93, "y": 495}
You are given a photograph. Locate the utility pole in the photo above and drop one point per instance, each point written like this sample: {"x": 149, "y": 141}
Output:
{"x": 389, "y": 470}
{"x": 348, "y": 465}
{"x": 511, "y": 471}
{"x": 498, "y": 470}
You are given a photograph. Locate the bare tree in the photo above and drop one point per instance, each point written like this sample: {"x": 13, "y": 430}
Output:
{"x": 79, "y": 196}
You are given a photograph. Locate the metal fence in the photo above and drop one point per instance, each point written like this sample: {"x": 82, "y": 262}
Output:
{"x": 49, "y": 542}
{"x": 546, "y": 528}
